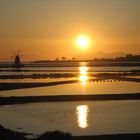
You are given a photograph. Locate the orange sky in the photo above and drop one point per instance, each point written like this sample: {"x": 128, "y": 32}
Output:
{"x": 46, "y": 29}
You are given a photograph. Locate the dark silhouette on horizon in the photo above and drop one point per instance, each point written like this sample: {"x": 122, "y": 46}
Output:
{"x": 17, "y": 62}
{"x": 127, "y": 58}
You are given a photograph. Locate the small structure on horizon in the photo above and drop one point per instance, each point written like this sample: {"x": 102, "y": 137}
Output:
{"x": 17, "y": 62}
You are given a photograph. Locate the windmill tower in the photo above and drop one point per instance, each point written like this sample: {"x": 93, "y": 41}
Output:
{"x": 17, "y": 62}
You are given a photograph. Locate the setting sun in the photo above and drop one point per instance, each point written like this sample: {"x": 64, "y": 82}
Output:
{"x": 83, "y": 41}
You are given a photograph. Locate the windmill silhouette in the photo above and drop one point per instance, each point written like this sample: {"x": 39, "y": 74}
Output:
{"x": 17, "y": 59}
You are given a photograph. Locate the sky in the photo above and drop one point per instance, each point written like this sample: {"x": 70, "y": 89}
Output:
{"x": 46, "y": 29}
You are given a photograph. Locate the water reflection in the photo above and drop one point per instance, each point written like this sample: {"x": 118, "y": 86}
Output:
{"x": 83, "y": 70}
{"x": 82, "y": 114}
{"x": 83, "y": 78}
{"x": 83, "y": 74}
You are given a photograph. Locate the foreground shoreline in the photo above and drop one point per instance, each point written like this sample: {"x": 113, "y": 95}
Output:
{"x": 7, "y": 134}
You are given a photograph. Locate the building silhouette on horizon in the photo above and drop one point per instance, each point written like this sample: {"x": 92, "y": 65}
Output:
{"x": 17, "y": 62}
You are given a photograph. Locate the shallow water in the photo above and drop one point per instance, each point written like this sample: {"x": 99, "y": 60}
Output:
{"x": 81, "y": 88}
{"x": 78, "y": 118}
{"x": 35, "y": 80}
{"x": 48, "y": 70}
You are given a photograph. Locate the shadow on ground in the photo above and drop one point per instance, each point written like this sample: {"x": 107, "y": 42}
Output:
{"x": 6, "y": 134}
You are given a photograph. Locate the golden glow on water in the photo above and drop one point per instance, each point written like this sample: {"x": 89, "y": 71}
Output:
{"x": 82, "y": 114}
{"x": 83, "y": 75}
{"x": 83, "y": 70}
{"x": 83, "y": 78}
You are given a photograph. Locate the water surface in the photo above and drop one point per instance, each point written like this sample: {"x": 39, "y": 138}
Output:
{"x": 78, "y": 118}
{"x": 84, "y": 88}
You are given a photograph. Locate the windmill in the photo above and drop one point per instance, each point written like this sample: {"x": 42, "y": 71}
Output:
{"x": 17, "y": 59}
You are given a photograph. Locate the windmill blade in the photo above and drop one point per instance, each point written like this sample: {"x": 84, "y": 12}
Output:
{"x": 13, "y": 55}
{"x": 19, "y": 53}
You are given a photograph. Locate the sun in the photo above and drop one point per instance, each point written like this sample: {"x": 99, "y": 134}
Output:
{"x": 83, "y": 41}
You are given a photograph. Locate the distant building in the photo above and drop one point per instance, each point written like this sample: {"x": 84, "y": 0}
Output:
{"x": 17, "y": 63}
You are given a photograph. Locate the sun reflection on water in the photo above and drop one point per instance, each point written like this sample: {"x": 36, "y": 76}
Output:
{"x": 83, "y": 70}
{"x": 82, "y": 114}
{"x": 83, "y": 74}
